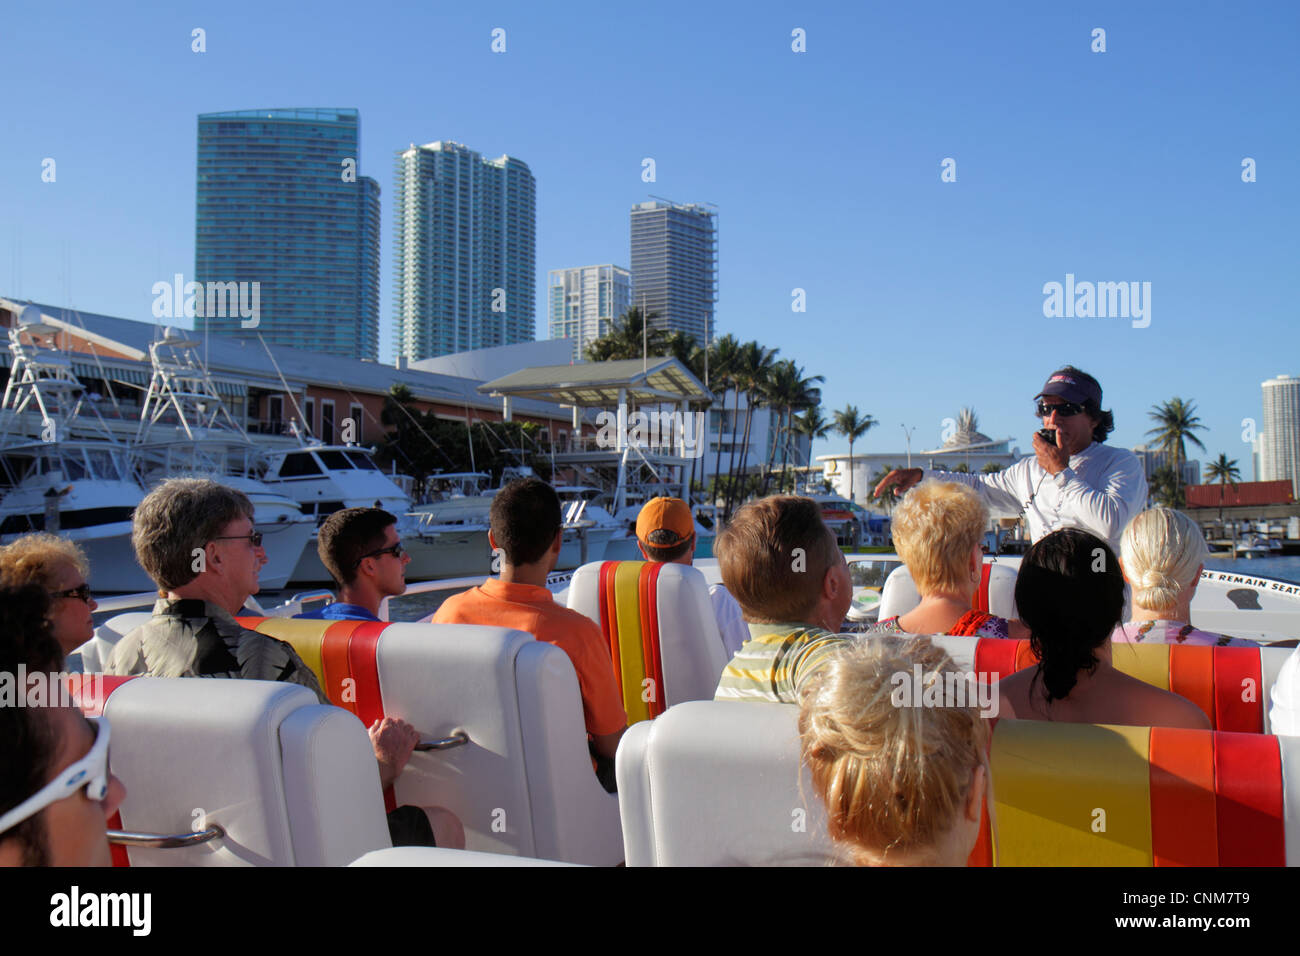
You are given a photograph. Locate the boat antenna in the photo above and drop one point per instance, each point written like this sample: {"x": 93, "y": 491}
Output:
{"x": 276, "y": 365}
{"x": 103, "y": 375}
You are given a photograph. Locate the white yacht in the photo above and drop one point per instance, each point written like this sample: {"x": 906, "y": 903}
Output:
{"x": 186, "y": 431}
{"x": 64, "y": 471}
{"x": 324, "y": 479}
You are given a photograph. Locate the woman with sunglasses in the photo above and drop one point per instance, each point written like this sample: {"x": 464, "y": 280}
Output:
{"x": 59, "y": 567}
{"x": 56, "y": 792}
{"x": 1073, "y": 480}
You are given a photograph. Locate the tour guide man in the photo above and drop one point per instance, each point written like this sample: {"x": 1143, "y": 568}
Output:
{"x": 1078, "y": 482}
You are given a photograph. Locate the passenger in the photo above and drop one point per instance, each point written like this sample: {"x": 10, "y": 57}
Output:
{"x": 665, "y": 532}
{"x": 48, "y": 817}
{"x": 1072, "y": 481}
{"x": 902, "y": 785}
{"x": 362, "y": 551}
{"x": 787, "y": 572}
{"x": 1070, "y": 594}
{"x": 59, "y": 566}
{"x": 937, "y": 529}
{"x": 527, "y": 530}
{"x": 1162, "y": 554}
{"x": 195, "y": 538}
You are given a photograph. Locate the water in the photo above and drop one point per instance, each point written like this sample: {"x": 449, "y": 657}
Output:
{"x": 1282, "y": 567}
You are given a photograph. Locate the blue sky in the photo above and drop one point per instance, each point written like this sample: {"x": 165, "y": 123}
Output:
{"x": 922, "y": 296}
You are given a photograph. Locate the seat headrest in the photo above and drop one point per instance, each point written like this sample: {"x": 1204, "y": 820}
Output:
{"x": 996, "y": 594}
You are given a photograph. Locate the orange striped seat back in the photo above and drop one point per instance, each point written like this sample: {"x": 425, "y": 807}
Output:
{"x": 1227, "y": 683}
{"x": 629, "y": 620}
{"x": 1094, "y": 795}
{"x": 342, "y": 655}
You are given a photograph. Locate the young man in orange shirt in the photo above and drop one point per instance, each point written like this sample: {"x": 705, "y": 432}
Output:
{"x": 526, "y": 531}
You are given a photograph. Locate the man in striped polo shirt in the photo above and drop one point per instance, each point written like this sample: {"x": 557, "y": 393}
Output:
{"x": 782, "y": 564}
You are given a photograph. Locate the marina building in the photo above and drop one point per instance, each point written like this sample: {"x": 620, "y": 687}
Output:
{"x": 281, "y": 209}
{"x": 675, "y": 265}
{"x": 464, "y": 250}
{"x": 1279, "y": 454}
{"x": 584, "y": 302}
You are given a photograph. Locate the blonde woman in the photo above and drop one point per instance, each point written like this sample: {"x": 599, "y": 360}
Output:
{"x": 1162, "y": 553}
{"x": 59, "y": 566}
{"x": 902, "y": 785}
{"x": 938, "y": 528}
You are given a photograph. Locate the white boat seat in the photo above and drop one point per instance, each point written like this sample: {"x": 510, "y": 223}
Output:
{"x": 437, "y": 856}
{"x": 718, "y": 783}
{"x": 290, "y": 781}
{"x": 658, "y": 619}
{"x": 996, "y": 594}
{"x": 90, "y": 657}
{"x": 523, "y": 784}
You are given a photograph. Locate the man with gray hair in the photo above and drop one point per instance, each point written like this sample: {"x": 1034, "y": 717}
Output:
{"x": 196, "y": 539}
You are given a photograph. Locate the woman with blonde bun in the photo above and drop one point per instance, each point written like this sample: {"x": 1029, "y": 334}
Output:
{"x": 1162, "y": 554}
{"x": 903, "y": 783}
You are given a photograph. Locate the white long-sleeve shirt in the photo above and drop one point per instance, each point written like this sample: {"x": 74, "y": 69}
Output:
{"x": 1100, "y": 491}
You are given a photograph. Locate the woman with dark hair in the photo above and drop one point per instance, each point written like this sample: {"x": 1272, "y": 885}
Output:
{"x": 1070, "y": 593}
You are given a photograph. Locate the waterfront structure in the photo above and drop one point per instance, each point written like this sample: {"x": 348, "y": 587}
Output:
{"x": 279, "y": 203}
{"x": 464, "y": 250}
{"x": 584, "y": 302}
{"x": 675, "y": 266}
{"x": 1280, "y": 431}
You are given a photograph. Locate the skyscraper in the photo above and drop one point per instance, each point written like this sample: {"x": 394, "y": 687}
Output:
{"x": 675, "y": 265}
{"x": 1280, "y": 432}
{"x": 280, "y": 203}
{"x": 464, "y": 250}
{"x": 585, "y": 301}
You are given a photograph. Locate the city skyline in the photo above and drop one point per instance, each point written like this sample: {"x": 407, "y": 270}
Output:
{"x": 923, "y": 279}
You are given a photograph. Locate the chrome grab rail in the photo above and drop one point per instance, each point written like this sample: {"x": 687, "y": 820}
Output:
{"x": 165, "y": 841}
{"x": 458, "y": 739}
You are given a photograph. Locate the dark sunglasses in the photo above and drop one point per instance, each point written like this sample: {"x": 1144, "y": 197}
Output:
{"x": 1063, "y": 410}
{"x": 396, "y": 551}
{"x": 255, "y": 537}
{"x": 81, "y": 592}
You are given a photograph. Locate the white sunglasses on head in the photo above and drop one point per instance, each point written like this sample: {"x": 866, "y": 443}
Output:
{"x": 91, "y": 772}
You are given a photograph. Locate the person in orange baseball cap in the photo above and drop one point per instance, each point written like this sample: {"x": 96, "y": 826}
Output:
{"x": 665, "y": 532}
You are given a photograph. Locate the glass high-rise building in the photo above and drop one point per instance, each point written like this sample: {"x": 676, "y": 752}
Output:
{"x": 585, "y": 301}
{"x": 1280, "y": 432}
{"x": 675, "y": 266}
{"x": 464, "y": 250}
{"x": 280, "y": 203}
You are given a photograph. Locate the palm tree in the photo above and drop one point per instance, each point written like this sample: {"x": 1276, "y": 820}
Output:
{"x": 1175, "y": 423}
{"x": 1225, "y": 472}
{"x": 722, "y": 364}
{"x": 787, "y": 389}
{"x": 628, "y": 338}
{"x": 812, "y": 424}
{"x": 990, "y": 468}
{"x": 886, "y": 498}
{"x": 852, "y": 425}
{"x": 754, "y": 366}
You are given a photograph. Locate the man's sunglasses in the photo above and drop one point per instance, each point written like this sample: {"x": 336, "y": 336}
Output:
{"x": 1063, "y": 410}
{"x": 81, "y": 592}
{"x": 396, "y": 551}
{"x": 255, "y": 537}
{"x": 91, "y": 772}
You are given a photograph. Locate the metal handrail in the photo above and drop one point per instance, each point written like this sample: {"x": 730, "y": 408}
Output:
{"x": 165, "y": 841}
{"x": 458, "y": 739}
